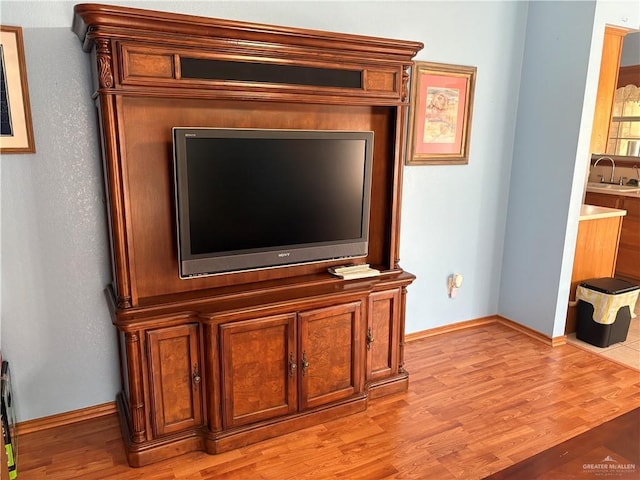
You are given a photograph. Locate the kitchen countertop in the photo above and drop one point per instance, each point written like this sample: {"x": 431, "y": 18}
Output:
{"x": 594, "y": 212}
{"x": 631, "y": 193}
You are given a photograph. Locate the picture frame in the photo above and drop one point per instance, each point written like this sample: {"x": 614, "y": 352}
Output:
{"x": 16, "y": 128}
{"x": 440, "y": 113}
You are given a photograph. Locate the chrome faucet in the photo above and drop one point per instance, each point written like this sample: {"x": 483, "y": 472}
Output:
{"x": 613, "y": 166}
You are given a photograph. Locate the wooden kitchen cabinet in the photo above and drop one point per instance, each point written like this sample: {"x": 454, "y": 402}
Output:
{"x": 628, "y": 265}
{"x": 628, "y": 260}
{"x": 596, "y": 251}
{"x": 603, "y": 200}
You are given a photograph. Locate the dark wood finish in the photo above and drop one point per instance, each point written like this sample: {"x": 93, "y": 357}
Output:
{"x": 603, "y": 200}
{"x": 628, "y": 261}
{"x": 259, "y": 375}
{"x": 480, "y": 400}
{"x": 382, "y": 335}
{"x": 175, "y": 377}
{"x": 608, "y": 450}
{"x": 330, "y": 354}
{"x": 628, "y": 265}
{"x": 241, "y": 334}
{"x": 141, "y": 95}
{"x": 629, "y": 75}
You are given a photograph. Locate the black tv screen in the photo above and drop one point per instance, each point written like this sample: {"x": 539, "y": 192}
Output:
{"x": 254, "y": 198}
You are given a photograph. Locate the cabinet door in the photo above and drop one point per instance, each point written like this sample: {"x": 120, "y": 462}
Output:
{"x": 603, "y": 200}
{"x": 175, "y": 382}
{"x": 628, "y": 264}
{"x": 259, "y": 369}
{"x": 330, "y": 353}
{"x": 382, "y": 330}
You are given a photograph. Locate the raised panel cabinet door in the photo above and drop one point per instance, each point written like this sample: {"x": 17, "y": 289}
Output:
{"x": 330, "y": 362}
{"x": 259, "y": 369}
{"x": 382, "y": 330}
{"x": 175, "y": 381}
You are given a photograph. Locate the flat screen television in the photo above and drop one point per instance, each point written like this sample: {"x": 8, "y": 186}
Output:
{"x": 251, "y": 199}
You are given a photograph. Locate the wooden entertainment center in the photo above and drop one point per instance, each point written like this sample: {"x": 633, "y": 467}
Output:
{"x": 214, "y": 363}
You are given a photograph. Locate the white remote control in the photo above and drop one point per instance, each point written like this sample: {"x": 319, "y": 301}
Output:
{"x": 354, "y": 271}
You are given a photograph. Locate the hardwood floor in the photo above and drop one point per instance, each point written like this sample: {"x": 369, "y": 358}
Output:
{"x": 480, "y": 400}
{"x": 608, "y": 450}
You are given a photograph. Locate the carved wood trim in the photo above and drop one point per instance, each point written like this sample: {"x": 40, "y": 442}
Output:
{"x": 103, "y": 57}
{"x": 136, "y": 402}
{"x": 404, "y": 92}
{"x": 116, "y": 204}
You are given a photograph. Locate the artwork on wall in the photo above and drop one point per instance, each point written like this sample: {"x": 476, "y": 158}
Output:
{"x": 16, "y": 129}
{"x": 440, "y": 114}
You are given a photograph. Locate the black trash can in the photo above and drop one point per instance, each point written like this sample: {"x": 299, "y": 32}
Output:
{"x": 604, "y": 310}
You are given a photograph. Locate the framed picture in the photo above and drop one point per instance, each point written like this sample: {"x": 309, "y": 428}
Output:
{"x": 440, "y": 114}
{"x": 16, "y": 129}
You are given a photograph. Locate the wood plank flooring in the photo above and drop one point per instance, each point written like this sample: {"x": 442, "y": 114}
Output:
{"x": 608, "y": 450}
{"x": 480, "y": 400}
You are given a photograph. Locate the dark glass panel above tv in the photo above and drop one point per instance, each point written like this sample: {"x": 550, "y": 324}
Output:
{"x": 202, "y": 68}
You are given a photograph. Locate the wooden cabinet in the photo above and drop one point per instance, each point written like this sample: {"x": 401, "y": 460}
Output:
{"x": 610, "y": 64}
{"x": 596, "y": 252}
{"x": 628, "y": 261}
{"x": 217, "y": 362}
{"x": 629, "y": 75}
{"x": 283, "y": 364}
{"x": 628, "y": 265}
{"x": 174, "y": 378}
{"x": 259, "y": 374}
{"x": 603, "y": 200}
{"x": 383, "y": 335}
{"x": 330, "y": 358}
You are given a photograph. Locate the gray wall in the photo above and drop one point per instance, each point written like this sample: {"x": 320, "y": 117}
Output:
{"x": 551, "y": 156}
{"x": 551, "y": 95}
{"x": 56, "y": 331}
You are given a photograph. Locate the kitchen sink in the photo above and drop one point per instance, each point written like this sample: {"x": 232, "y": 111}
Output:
{"x": 610, "y": 187}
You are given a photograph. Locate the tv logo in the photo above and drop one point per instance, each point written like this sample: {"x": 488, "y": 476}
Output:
{"x": 285, "y": 254}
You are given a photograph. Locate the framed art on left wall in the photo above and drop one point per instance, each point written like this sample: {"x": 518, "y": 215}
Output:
{"x": 16, "y": 128}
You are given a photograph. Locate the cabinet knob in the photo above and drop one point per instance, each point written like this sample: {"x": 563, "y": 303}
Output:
{"x": 292, "y": 365}
{"x": 369, "y": 338}
{"x": 196, "y": 377}
{"x": 305, "y": 364}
